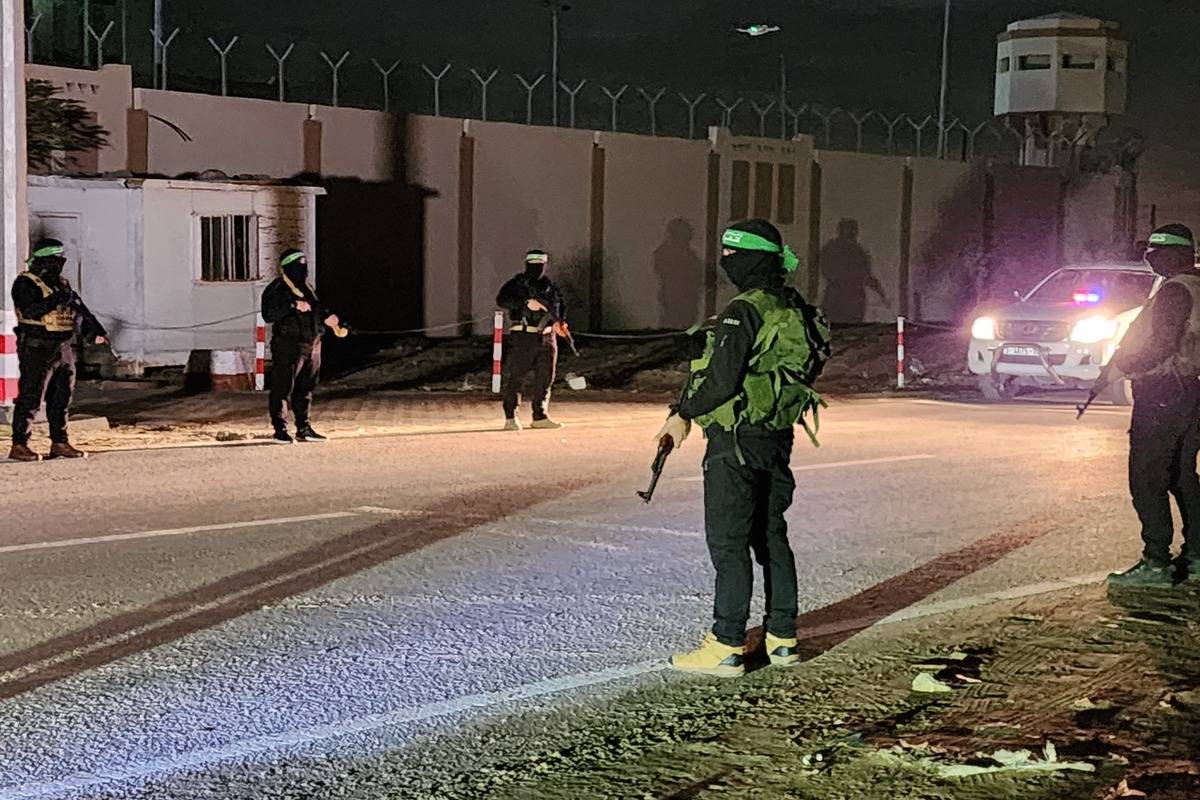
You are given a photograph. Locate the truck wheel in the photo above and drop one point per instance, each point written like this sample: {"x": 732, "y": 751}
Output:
{"x": 998, "y": 391}
{"x": 1121, "y": 393}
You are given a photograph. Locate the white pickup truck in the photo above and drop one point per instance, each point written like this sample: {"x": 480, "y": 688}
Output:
{"x": 1062, "y": 333}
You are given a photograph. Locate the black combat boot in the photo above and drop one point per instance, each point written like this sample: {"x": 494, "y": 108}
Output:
{"x": 307, "y": 434}
{"x": 1144, "y": 574}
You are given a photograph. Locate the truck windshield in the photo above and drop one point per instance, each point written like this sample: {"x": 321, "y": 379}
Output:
{"x": 1111, "y": 287}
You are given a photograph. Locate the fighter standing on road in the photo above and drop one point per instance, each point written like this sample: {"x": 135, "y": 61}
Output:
{"x": 537, "y": 316}
{"x": 297, "y": 321}
{"x": 50, "y": 316}
{"x": 748, "y": 391}
{"x": 1161, "y": 354}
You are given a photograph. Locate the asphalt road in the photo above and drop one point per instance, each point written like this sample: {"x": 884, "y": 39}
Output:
{"x": 174, "y": 621}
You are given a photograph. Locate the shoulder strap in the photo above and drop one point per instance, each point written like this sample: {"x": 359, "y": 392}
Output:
{"x": 41, "y": 284}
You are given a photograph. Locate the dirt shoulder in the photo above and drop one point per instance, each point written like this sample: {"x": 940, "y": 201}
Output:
{"x": 1069, "y": 694}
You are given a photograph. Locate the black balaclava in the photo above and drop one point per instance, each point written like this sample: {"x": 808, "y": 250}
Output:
{"x": 535, "y": 264}
{"x": 295, "y": 266}
{"x": 47, "y": 260}
{"x": 1171, "y": 250}
{"x": 755, "y": 269}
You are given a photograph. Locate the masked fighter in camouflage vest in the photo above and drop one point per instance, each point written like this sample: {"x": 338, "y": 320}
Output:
{"x": 1161, "y": 353}
{"x": 50, "y": 316}
{"x": 748, "y": 391}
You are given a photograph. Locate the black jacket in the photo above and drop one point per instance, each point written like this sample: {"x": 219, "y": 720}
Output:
{"x": 29, "y": 302}
{"x": 520, "y": 289}
{"x": 1169, "y": 315}
{"x": 288, "y": 324}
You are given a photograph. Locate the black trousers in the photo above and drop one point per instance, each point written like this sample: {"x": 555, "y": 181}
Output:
{"x": 47, "y": 373}
{"x": 523, "y": 353}
{"x": 1163, "y": 442}
{"x": 744, "y": 506}
{"x": 295, "y": 368}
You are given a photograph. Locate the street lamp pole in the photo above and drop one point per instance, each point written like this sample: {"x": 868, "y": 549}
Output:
{"x": 158, "y": 37}
{"x": 945, "y": 83}
{"x": 783, "y": 115}
{"x": 556, "y": 8}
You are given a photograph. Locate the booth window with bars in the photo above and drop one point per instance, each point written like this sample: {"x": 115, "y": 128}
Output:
{"x": 228, "y": 249}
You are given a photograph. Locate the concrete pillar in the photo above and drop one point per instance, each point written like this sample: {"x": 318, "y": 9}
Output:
{"x": 14, "y": 227}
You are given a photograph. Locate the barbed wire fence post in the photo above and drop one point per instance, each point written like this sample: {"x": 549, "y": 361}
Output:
{"x": 692, "y": 105}
{"x": 859, "y": 122}
{"x": 223, "y": 54}
{"x": 652, "y": 100}
{"x": 919, "y": 132}
{"x": 163, "y": 48}
{"x": 530, "y": 88}
{"x": 336, "y": 69}
{"x": 762, "y": 112}
{"x": 436, "y": 77}
{"x": 615, "y": 100}
{"x": 795, "y": 114}
{"x": 29, "y": 39}
{"x": 387, "y": 77}
{"x": 574, "y": 95}
{"x": 100, "y": 39}
{"x": 281, "y": 63}
{"x": 891, "y": 130}
{"x": 827, "y": 118}
{"x": 484, "y": 83}
{"x": 727, "y": 110}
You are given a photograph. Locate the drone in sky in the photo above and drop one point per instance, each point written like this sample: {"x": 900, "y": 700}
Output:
{"x": 759, "y": 30}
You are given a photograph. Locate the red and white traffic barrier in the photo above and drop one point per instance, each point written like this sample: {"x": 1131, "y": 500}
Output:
{"x": 497, "y": 350}
{"x": 899, "y": 352}
{"x": 260, "y": 354}
{"x": 10, "y": 373}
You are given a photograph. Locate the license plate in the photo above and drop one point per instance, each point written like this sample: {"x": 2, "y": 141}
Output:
{"x": 1021, "y": 352}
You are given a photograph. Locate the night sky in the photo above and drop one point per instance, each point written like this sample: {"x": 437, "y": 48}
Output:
{"x": 853, "y": 53}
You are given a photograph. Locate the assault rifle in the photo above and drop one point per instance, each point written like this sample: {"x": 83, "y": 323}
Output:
{"x": 665, "y": 446}
{"x": 1106, "y": 379}
{"x": 561, "y": 328}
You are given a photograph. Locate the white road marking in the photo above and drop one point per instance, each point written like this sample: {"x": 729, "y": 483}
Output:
{"x": 1021, "y": 405}
{"x": 298, "y": 738}
{"x": 558, "y": 523}
{"x": 285, "y": 740}
{"x": 124, "y": 537}
{"x": 866, "y": 462}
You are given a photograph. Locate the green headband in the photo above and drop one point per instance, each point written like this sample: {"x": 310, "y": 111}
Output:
{"x": 537, "y": 258}
{"x": 52, "y": 250}
{"x": 292, "y": 259}
{"x": 741, "y": 240}
{"x": 1170, "y": 240}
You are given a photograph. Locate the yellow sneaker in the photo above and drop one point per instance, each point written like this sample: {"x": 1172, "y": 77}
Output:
{"x": 546, "y": 424}
{"x": 783, "y": 652}
{"x": 713, "y": 658}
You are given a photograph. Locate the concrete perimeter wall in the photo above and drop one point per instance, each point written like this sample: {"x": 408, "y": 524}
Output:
{"x": 632, "y": 222}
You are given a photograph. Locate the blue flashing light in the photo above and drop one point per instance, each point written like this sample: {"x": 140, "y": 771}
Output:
{"x": 1087, "y": 297}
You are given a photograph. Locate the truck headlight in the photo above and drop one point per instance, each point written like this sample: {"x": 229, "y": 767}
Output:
{"x": 984, "y": 328}
{"x": 1094, "y": 329}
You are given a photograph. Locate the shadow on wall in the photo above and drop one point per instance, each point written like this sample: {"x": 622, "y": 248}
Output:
{"x": 680, "y": 273}
{"x": 950, "y": 272}
{"x": 847, "y": 273}
{"x": 371, "y": 258}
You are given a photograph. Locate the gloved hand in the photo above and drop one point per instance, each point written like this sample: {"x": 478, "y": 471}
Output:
{"x": 677, "y": 428}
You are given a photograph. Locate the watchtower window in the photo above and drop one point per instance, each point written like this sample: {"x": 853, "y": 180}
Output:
{"x": 1116, "y": 64}
{"x": 1078, "y": 62}
{"x": 1005, "y": 65}
{"x": 1035, "y": 61}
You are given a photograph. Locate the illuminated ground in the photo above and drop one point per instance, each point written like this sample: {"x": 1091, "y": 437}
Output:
{"x": 255, "y": 611}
